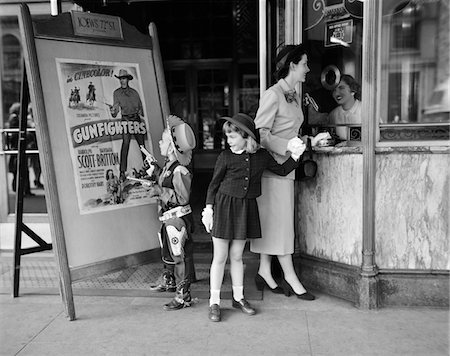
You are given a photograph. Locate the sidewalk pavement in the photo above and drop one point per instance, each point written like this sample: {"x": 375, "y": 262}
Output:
{"x": 116, "y": 314}
{"x": 36, "y": 325}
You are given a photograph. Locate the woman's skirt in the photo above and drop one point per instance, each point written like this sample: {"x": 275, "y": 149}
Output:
{"x": 276, "y": 213}
{"x": 235, "y": 218}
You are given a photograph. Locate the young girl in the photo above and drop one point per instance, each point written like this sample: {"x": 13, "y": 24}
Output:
{"x": 231, "y": 212}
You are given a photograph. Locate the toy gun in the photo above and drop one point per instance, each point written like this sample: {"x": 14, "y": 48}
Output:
{"x": 148, "y": 156}
{"x": 151, "y": 160}
{"x": 142, "y": 181}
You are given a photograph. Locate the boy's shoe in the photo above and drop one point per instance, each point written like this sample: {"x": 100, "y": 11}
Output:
{"x": 182, "y": 298}
{"x": 178, "y": 303}
{"x": 167, "y": 285}
{"x": 245, "y": 307}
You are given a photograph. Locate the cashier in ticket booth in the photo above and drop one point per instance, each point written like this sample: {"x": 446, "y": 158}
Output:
{"x": 347, "y": 95}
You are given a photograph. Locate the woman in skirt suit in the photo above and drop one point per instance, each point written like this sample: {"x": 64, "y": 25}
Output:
{"x": 231, "y": 212}
{"x": 278, "y": 120}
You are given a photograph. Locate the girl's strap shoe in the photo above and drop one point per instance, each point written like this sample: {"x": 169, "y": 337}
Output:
{"x": 214, "y": 312}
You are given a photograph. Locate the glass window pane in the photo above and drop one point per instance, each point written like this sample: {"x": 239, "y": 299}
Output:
{"x": 11, "y": 75}
{"x": 415, "y": 62}
{"x": 332, "y": 34}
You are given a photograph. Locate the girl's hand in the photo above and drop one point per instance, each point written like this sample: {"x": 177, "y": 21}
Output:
{"x": 298, "y": 152}
{"x": 294, "y": 144}
{"x": 207, "y": 218}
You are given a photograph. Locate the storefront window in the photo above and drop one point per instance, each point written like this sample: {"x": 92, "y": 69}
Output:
{"x": 415, "y": 77}
{"x": 11, "y": 77}
{"x": 223, "y": 78}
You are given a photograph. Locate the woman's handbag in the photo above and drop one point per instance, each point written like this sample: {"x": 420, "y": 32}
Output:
{"x": 307, "y": 168}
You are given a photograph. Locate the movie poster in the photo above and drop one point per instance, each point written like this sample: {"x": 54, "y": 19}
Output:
{"x": 107, "y": 122}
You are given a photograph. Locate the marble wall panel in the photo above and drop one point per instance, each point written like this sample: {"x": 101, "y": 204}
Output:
{"x": 329, "y": 209}
{"x": 412, "y": 211}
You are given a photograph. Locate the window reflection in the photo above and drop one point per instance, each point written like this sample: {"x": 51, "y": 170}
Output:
{"x": 406, "y": 26}
{"x": 415, "y": 63}
{"x": 11, "y": 75}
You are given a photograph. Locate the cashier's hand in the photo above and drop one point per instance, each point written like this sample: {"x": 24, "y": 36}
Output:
{"x": 320, "y": 136}
{"x": 207, "y": 218}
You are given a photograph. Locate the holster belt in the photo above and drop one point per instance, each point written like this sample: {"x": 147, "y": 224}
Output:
{"x": 177, "y": 212}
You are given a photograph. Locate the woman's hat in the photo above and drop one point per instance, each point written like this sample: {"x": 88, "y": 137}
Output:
{"x": 183, "y": 139}
{"x": 245, "y": 123}
{"x": 283, "y": 55}
{"x": 124, "y": 74}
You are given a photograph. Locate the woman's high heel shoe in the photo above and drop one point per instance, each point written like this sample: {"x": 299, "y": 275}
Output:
{"x": 261, "y": 283}
{"x": 287, "y": 288}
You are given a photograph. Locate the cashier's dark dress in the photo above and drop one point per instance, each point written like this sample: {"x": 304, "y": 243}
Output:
{"x": 234, "y": 187}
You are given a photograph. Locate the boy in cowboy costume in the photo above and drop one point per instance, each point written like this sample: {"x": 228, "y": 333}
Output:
{"x": 173, "y": 189}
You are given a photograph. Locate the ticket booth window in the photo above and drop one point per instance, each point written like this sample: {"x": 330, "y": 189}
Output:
{"x": 332, "y": 33}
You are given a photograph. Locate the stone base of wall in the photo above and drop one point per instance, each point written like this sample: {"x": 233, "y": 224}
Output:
{"x": 414, "y": 288}
{"x": 394, "y": 287}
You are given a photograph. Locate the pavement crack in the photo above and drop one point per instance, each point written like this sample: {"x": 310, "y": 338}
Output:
{"x": 309, "y": 336}
{"x": 38, "y": 333}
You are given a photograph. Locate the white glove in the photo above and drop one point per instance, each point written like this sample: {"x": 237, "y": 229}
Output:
{"x": 294, "y": 144}
{"x": 298, "y": 152}
{"x": 207, "y": 218}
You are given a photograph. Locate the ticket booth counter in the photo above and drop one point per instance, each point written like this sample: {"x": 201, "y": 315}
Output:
{"x": 410, "y": 214}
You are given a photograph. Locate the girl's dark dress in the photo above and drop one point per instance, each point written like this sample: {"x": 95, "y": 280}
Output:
{"x": 234, "y": 187}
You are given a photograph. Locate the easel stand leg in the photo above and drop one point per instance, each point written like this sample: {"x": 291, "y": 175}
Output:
{"x": 20, "y": 186}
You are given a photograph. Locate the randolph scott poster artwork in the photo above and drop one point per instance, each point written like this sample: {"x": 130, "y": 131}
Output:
{"x": 107, "y": 122}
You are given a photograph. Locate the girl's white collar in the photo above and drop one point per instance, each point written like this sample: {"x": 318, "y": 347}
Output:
{"x": 237, "y": 152}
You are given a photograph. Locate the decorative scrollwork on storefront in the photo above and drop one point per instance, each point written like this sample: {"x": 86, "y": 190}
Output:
{"x": 354, "y": 8}
{"x": 317, "y": 11}
{"x": 355, "y": 134}
{"x": 424, "y": 133}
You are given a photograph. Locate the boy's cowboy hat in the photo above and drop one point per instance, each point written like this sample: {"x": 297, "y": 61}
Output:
{"x": 124, "y": 74}
{"x": 245, "y": 123}
{"x": 183, "y": 139}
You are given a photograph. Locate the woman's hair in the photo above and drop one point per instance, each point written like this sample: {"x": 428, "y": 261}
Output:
{"x": 252, "y": 145}
{"x": 107, "y": 173}
{"x": 288, "y": 54}
{"x": 353, "y": 84}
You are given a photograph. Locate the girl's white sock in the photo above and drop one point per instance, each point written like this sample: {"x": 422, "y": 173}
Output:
{"x": 238, "y": 293}
{"x": 214, "y": 297}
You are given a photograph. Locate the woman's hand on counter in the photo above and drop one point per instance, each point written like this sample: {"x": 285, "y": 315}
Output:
{"x": 320, "y": 136}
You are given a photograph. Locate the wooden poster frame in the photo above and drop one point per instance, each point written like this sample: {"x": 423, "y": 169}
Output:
{"x": 58, "y": 32}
